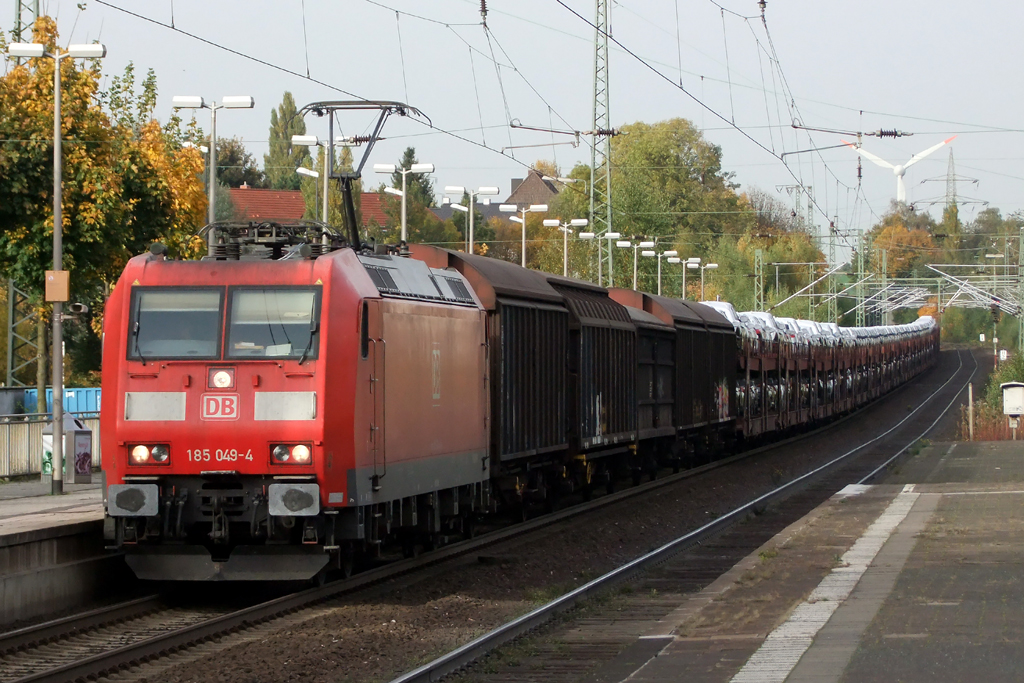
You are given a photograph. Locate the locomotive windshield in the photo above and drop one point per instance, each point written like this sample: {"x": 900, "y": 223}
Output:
{"x": 273, "y": 323}
{"x": 175, "y": 323}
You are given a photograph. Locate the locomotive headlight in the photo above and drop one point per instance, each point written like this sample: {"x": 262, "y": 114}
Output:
{"x": 291, "y": 454}
{"x": 140, "y": 455}
{"x": 220, "y": 378}
{"x": 300, "y": 454}
{"x": 151, "y": 454}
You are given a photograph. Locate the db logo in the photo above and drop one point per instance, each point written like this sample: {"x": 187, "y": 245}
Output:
{"x": 220, "y": 406}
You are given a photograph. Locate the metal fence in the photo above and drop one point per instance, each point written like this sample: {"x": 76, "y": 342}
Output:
{"x": 21, "y": 442}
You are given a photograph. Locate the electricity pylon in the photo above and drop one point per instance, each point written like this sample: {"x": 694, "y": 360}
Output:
{"x": 601, "y": 143}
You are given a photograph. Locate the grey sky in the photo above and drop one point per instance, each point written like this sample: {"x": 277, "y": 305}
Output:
{"x": 933, "y": 68}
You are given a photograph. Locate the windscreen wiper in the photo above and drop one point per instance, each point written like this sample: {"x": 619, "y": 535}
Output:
{"x": 135, "y": 339}
{"x": 313, "y": 328}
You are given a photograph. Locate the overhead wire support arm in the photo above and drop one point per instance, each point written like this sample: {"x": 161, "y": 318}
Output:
{"x": 880, "y": 133}
{"x": 804, "y": 289}
{"x": 603, "y": 132}
{"x": 811, "y": 149}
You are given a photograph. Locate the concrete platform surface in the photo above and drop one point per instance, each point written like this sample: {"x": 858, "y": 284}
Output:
{"x": 918, "y": 579}
{"x": 26, "y": 507}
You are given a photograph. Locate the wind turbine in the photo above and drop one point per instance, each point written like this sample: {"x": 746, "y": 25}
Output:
{"x": 899, "y": 170}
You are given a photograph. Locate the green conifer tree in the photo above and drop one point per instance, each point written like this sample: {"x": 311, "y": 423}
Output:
{"x": 280, "y": 164}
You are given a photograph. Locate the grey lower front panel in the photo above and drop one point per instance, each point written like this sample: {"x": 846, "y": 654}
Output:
{"x": 416, "y": 477}
{"x": 246, "y": 563}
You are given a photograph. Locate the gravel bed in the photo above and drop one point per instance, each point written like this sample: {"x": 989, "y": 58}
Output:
{"x": 379, "y": 637}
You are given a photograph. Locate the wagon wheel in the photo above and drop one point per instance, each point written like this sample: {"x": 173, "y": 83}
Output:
{"x": 346, "y": 560}
{"x": 410, "y": 548}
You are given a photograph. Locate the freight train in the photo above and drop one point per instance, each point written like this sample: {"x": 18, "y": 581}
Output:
{"x": 288, "y": 403}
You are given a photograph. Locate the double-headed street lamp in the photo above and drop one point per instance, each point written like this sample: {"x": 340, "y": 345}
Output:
{"x": 671, "y": 254}
{"x": 706, "y": 266}
{"x": 231, "y": 102}
{"x": 314, "y": 141}
{"x": 692, "y": 263}
{"x": 636, "y": 247}
{"x": 532, "y": 208}
{"x": 391, "y": 168}
{"x": 57, "y": 282}
{"x": 460, "y": 190}
{"x": 566, "y": 228}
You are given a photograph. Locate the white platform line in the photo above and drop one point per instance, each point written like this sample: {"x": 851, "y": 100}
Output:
{"x": 783, "y": 648}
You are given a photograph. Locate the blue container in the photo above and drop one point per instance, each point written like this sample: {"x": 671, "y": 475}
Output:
{"x": 86, "y": 400}
{"x": 12, "y": 400}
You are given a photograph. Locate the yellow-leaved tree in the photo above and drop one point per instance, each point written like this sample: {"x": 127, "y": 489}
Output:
{"x": 127, "y": 182}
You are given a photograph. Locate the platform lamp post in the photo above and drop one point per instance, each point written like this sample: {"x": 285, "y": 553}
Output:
{"x": 480, "y": 192}
{"x": 403, "y": 193}
{"x": 310, "y": 173}
{"x": 636, "y": 248}
{"x": 706, "y": 266}
{"x": 566, "y": 228}
{"x": 674, "y": 260}
{"x": 57, "y": 281}
{"x": 314, "y": 141}
{"x": 532, "y": 208}
{"x": 588, "y": 236}
{"x": 692, "y": 263}
{"x": 230, "y": 102}
{"x": 670, "y": 254}
{"x": 620, "y": 244}
{"x": 611, "y": 260}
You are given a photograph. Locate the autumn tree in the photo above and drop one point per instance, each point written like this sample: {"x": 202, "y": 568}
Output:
{"x": 126, "y": 181}
{"x": 770, "y": 213}
{"x": 547, "y": 168}
{"x": 280, "y": 163}
{"x": 906, "y": 237}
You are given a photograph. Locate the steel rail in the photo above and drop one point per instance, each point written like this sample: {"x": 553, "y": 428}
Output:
{"x": 930, "y": 427}
{"x": 188, "y": 636}
{"x": 470, "y": 652}
{"x": 56, "y": 629}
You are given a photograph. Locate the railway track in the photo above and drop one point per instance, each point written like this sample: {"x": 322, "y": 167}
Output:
{"x": 119, "y": 637}
{"x": 115, "y": 637}
{"x": 716, "y": 547}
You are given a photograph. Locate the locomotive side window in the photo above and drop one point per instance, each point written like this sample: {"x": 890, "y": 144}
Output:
{"x": 169, "y": 323}
{"x": 273, "y": 323}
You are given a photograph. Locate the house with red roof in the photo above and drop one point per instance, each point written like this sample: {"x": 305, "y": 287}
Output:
{"x": 254, "y": 204}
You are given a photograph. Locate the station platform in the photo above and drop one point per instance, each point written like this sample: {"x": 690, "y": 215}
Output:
{"x": 29, "y": 507}
{"x": 917, "y": 579}
{"x": 51, "y": 550}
